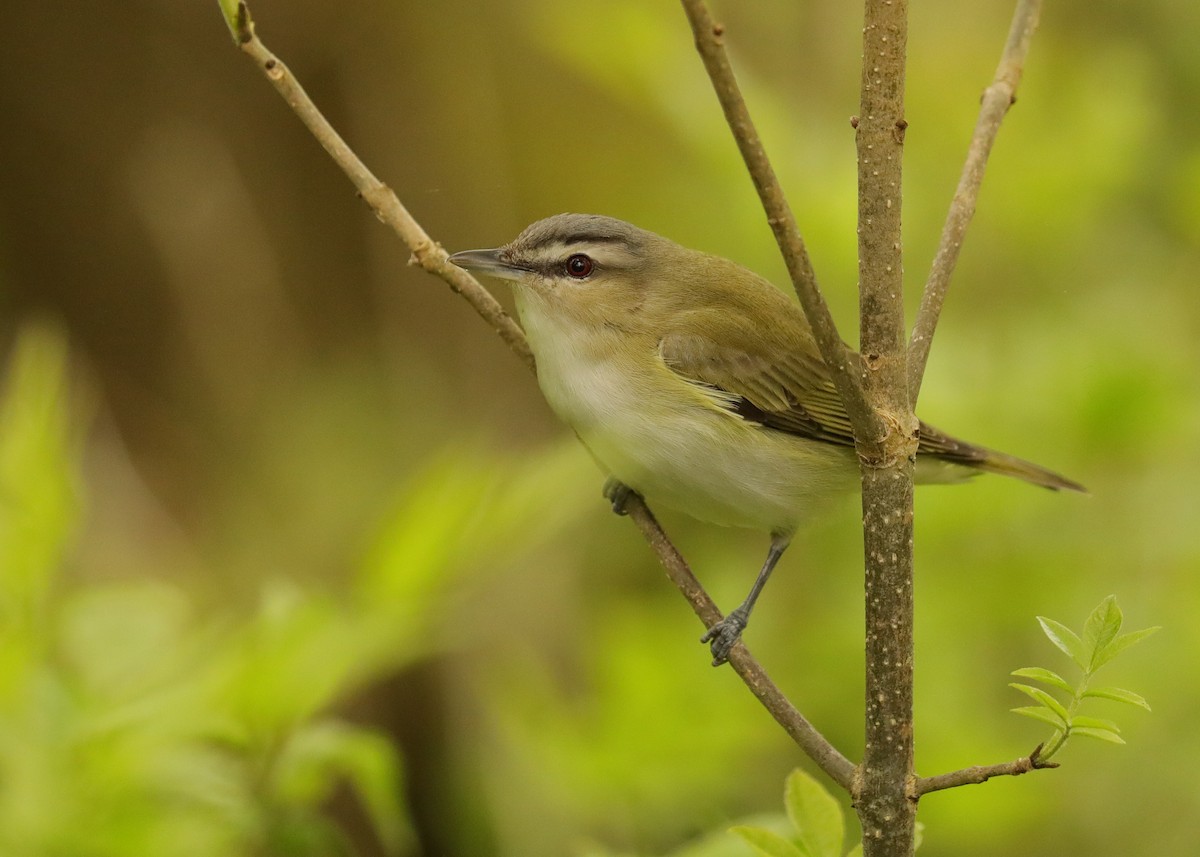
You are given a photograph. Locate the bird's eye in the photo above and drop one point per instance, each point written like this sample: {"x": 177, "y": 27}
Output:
{"x": 580, "y": 266}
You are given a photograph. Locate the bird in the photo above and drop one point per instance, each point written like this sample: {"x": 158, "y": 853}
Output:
{"x": 697, "y": 384}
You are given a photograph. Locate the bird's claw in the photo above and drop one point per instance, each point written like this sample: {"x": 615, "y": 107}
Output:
{"x": 721, "y": 636}
{"x": 618, "y": 493}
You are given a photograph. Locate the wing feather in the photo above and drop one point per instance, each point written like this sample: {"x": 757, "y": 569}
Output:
{"x": 793, "y": 394}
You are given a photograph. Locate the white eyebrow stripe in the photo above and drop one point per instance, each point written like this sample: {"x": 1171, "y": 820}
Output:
{"x": 606, "y": 253}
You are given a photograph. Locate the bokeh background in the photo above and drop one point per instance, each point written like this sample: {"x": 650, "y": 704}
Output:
{"x": 296, "y": 561}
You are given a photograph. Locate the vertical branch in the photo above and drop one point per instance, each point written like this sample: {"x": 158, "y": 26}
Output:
{"x": 997, "y": 98}
{"x": 887, "y": 815}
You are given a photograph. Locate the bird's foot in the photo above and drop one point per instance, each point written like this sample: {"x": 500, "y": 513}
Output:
{"x": 618, "y": 493}
{"x": 721, "y": 636}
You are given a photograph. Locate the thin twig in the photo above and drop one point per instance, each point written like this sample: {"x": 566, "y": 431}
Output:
{"x": 383, "y": 201}
{"x": 981, "y": 774}
{"x": 432, "y": 258}
{"x": 844, "y": 364}
{"x": 840, "y": 769}
{"x": 997, "y": 98}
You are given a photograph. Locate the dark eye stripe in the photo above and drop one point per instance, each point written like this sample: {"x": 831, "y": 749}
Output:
{"x": 592, "y": 238}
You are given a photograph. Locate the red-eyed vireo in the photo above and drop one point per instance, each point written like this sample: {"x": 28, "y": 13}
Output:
{"x": 696, "y": 383}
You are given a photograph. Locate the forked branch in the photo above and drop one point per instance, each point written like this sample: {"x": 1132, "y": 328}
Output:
{"x": 846, "y": 365}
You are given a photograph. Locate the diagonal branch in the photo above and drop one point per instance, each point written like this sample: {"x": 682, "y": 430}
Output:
{"x": 840, "y": 769}
{"x": 383, "y": 201}
{"x": 980, "y": 774}
{"x": 997, "y": 98}
{"x": 844, "y": 364}
{"x": 430, "y": 256}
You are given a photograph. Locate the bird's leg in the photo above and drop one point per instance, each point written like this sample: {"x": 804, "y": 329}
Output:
{"x": 617, "y": 493}
{"x": 721, "y": 636}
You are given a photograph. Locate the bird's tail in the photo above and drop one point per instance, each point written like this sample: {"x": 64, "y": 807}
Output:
{"x": 941, "y": 446}
{"x": 1010, "y": 465}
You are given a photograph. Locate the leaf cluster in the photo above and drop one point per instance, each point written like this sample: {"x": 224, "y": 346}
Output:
{"x": 1098, "y": 644}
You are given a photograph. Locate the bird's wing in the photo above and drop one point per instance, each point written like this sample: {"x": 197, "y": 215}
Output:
{"x": 766, "y": 377}
{"x": 765, "y": 368}
{"x": 789, "y": 391}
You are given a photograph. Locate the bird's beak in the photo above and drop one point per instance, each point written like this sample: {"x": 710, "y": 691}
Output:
{"x": 485, "y": 262}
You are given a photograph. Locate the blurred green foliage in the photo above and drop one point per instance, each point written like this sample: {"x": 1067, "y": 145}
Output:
{"x": 303, "y": 563}
{"x": 130, "y": 725}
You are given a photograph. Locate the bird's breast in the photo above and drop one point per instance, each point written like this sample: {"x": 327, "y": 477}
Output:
{"x": 590, "y": 378}
{"x": 662, "y": 436}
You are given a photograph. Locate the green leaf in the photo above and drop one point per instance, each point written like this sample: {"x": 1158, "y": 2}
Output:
{"x": 1101, "y": 734}
{"x": 1100, "y": 629}
{"x": 1094, "y": 723}
{"x": 856, "y": 851}
{"x": 1066, "y": 640}
{"x": 815, "y": 813}
{"x": 1045, "y": 676}
{"x": 768, "y": 843}
{"x": 1119, "y": 694}
{"x": 1044, "y": 698}
{"x": 1120, "y": 644}
{"x": 1043, "y": 714}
